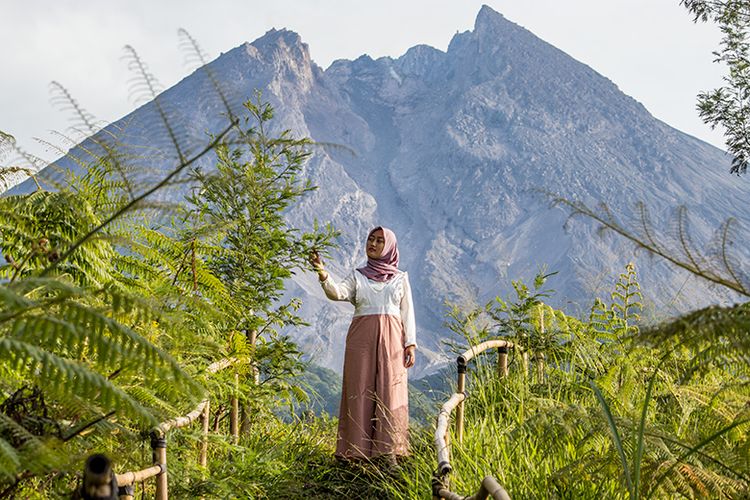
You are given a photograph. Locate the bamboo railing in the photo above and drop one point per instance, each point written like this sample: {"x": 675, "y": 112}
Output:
{"x": 440, "y": 483}
{"x": 101, "y": 483}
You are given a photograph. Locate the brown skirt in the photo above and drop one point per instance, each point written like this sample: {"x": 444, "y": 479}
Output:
{"x": 374, "y": 412}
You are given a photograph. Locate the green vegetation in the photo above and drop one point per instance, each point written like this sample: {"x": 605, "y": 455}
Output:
{"x": 111, "y": 314}
{"x": 726, "y": 106}
{"x": 607, "y": 415}
{"x": 604, "y": 414}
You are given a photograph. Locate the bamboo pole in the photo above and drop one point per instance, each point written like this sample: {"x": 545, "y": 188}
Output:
{"x": 441, "y": 432}
{"x": 234, "y": 428}
{"x": 202, "y": 457}
{"x": 159, "y": 452}
{"x": 252, "y": 337}
{"x": 489, "y": 344}
{"x": 128, "y": 478}
{"x": 539, "y": 358}
{"x": 246, "y": 411}
{"x": 540, "y": 362}
{"x": 488, "y": 488}
{"x": 183, "y": 421}
{"x": 244, "y": 420}
{"x": 502, "y": 362}
{"x": 460, "y": 388}
{"x": 217, "y": 420}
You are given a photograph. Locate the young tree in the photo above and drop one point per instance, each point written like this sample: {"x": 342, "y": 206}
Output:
{"x": 242, "y": 205}
{"x": 729, "y": 106}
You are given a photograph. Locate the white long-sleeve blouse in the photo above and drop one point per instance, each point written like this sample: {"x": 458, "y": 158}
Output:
{"x": 392, "y": 297}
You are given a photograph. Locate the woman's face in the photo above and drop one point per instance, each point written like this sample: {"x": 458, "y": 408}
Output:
{"x": 375, "y": 244}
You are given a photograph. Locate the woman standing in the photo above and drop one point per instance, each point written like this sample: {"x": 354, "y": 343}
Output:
{"x": 380, "y": 346}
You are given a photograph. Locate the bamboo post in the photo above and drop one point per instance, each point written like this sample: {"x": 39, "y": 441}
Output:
{"x": 202, "y": 457}
{"x": 159, "y": 453}
{"x": 252, "y": 338}
{"x": 244, "y": 419}
{"x": 234, "y": 429}
{"x": 539, "y": 358}
{"x": 502, "y": 361}
{"x": 217, "y": 420}
{"x": 246, "y": 411}
{"x": 460, "y": 388}
{"x": 98, "y": 480}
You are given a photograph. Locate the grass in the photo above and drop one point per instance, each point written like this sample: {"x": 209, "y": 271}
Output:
{"x": 545, "y": 438}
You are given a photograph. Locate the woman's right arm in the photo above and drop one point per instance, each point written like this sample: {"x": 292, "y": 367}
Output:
{"x": 345, "y": 290}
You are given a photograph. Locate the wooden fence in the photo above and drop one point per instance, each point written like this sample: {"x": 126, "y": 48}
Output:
{"x": 440, "y": 481}
{"x": 101, "y": 483}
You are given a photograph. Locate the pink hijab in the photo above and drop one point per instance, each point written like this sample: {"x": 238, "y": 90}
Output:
{"x": 386, "y": 266}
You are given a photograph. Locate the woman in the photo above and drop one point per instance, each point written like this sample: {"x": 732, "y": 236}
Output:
{"x": 380, "y": 346}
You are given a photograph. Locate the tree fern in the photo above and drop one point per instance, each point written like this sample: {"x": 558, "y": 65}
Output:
{"x": 626, "y": 300}
{"x": 716, "y": 263}
{"x": 71, "y": 321}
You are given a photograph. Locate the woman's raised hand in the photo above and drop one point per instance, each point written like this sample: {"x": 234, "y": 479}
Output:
{"x": 315, "y": 260}
{"x": 317, "y": 264}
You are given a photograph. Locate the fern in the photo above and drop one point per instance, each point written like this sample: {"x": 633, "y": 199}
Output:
{"x": 716, "y": 264}
{"x": 73, "y": 320}
{"x": 626, "y": 299}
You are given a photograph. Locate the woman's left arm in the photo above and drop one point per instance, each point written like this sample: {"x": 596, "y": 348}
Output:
{"x": 410, "y": 325}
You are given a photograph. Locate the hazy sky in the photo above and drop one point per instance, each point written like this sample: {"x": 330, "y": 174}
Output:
{"x": 650, "y": 48}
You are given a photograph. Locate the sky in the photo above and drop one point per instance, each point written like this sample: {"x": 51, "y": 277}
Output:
{"x": 650, "y": 48}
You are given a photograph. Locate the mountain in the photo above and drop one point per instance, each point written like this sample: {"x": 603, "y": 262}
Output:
{"x": 451, "y": 150}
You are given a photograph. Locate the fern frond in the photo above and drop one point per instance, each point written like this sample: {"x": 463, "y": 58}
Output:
{"x": 22, "y": 451}
{"x": 714, "y": 333}
{"x": 724, "y": 271}
{"x": 65, "y": 101}
{"x": 195, "y": 55}
{"x": 57, "y": 375}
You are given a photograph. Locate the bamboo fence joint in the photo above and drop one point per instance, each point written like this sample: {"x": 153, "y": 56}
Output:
{"x": 126, "y": 492}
